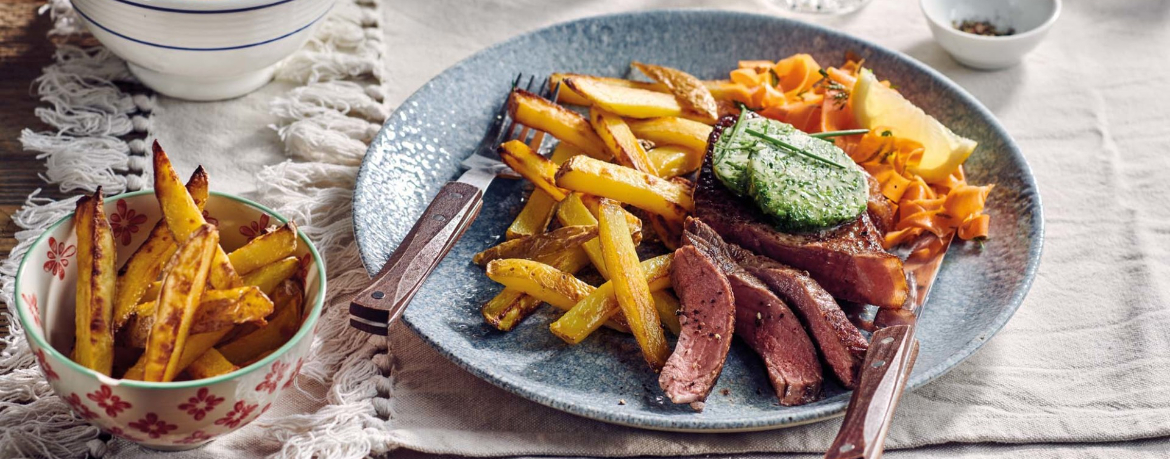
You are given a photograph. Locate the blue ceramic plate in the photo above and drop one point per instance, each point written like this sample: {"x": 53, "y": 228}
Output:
{"x": 421, "y": 145}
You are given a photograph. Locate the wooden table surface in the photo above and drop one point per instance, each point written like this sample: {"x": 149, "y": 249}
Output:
{"x": 24, "y": 50}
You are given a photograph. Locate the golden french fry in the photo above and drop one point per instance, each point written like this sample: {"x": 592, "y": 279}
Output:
{"x": 96, "y": 278}
{"x": 538, "y": 211}
{"x": 628, "y": 102}
{"x": 147, "y": 261}
{"x": 530, "y": 165}
{"x": 573, "y": 212}
{"x": 630, "y": 285}
{"x": 509, "y": 307}
{"x": 197, "y": 345}
{"x": 539, "y": 280}
{"x": 531, "y": 247}
{"x": 210, "y": 364}
{"x": 265, "y": 249}
{"x": 671, "y": 161}
{"x": 593, "y": 203}
{"x": 568, "y": 96}
{"x": 587, "y": 316}
{"x": 136, "y": 332}
{"x": 183, "y": 217}
{"x": 639, "y": 189}
{"x": 288, "y": 297}
{"x": 186, "y": 273}
{"x": 271, "y": 275}
{"x": 722, "y": 90}
{"x": 620, "y": 140}
{"x": 695, "y": 98}
{"x": 673, "y": 131}
{"x": 220, "y": 309}
{"x": 152, "y": 289}
{"x": 538, "y": 113}
{"x": 667, "y": 306}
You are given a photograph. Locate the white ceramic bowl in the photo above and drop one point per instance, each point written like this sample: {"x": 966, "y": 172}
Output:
{"x": 1031, "y": 20}
{"x": 202, "y": 49}
{"x": 167, "y": 416}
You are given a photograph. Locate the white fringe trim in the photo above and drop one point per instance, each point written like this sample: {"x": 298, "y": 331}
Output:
{"x": 325, "y": 124}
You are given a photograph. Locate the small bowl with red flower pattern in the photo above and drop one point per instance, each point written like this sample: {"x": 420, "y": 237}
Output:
{"x": 172, "y": 415}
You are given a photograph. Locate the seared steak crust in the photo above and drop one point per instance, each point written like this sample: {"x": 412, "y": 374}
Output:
{"x": 848, "y": 261}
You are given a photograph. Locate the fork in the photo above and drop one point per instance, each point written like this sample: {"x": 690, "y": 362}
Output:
{"x": 443, "y": 222}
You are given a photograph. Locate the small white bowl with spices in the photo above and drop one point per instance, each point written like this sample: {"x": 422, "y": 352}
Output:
{"x": 990, "y": 34}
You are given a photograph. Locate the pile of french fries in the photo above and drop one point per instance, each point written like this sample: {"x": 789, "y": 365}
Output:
{"x": 633, "y": 150}
{"x": 182, "y": 307}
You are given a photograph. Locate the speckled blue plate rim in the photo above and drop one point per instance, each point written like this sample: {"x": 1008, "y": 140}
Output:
{"x": 827, "y": 411}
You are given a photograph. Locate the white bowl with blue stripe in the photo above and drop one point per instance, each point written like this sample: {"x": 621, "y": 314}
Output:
{"x": 203, "y": 49}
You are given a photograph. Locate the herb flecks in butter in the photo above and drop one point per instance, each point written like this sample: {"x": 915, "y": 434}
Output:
{"x": 802, "y": 183}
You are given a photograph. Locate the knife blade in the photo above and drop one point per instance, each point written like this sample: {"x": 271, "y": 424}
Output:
{"x": 890, "y": 359}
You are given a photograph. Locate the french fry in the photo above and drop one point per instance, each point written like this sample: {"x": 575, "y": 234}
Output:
{"x": 265, "y": 249}
{"x": 671, "y": 161}
{"x": 197, "y": 345}
{"x": 641, "y": 190}
{"x": 568, "y": 96}
{"x": 530, "y": 165}
{"x": 147, "y": 261}
{"x": 667, "y": 306}
{"x": 538, "y": 113}
{"x": 186, "y": 273}
{"x": 509, "y": 307}
{"x": 183, "y": 217}
{"x": 587, "y": 316}
{"x": 271, "y": 275}
{"x": 628, "y": 102}
{"x": 210, "y": 364}
{"x": 630, "y": 285}
{"x": 530, "y": 247}
{"x": 722, "y": 90}
{"x": 695, "y": 98}
{"x": 620, "y": 140}
{"x": 669, "y": 232}
{"x": 153, "y": 288}
{"x": 539, "y": 280}
{"x": 573, "y": 212}
{"x": 220, "y": 309}
{"x": 593, "y": 203}
{"x": 673, "y": 131}
{"x": 94, "y": 345}
{"x": 289, "y": 298}
{"x": 538, "y": 211}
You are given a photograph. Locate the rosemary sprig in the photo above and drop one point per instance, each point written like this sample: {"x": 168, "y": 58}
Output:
{"x": 825, "y": 135}
{"x": 792, "y": 148}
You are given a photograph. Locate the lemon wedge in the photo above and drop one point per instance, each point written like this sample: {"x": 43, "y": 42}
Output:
{"x": 878, "y": 107}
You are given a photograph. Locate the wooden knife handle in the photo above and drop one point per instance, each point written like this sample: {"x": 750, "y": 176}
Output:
{"x": 433, "y": 235}
{"x": 884, "y": 372}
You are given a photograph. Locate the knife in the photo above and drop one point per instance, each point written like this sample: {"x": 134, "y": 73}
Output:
{"x": 889, "y": 361}
{"x": 443, "y": 222}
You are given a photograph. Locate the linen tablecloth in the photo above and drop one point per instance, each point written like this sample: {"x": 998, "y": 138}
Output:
{"x": 1082, "y": 367}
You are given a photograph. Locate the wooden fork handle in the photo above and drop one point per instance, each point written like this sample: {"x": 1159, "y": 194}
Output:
{"x": 433, "y": 235}
{"x": 887, "y": 366}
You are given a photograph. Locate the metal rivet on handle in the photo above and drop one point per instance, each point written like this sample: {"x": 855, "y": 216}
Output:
{"x": 378, "y": 295}
{"x": 887, "y": 340}
{"x": 879, "y": 363}
{"x": 846, "y": 448}
{"x": 439, "y": 218}
{"x": 456, "y": 195}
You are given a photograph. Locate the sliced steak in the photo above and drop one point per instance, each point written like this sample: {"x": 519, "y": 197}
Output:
{"x": 848, "y": 260}
{"x": 764, "y": 322}
{"x": 841, "y": 344}
{"x": 707, "y": 316}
